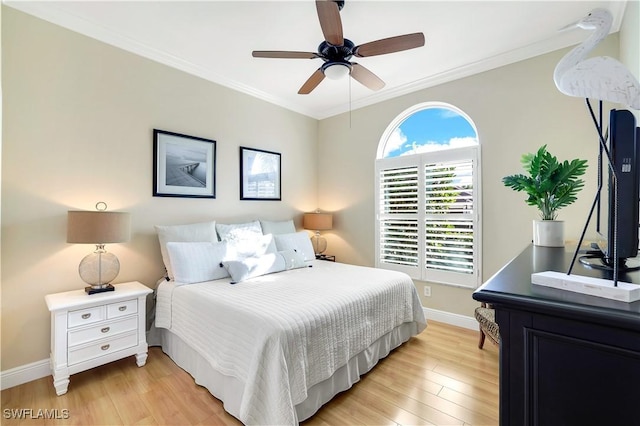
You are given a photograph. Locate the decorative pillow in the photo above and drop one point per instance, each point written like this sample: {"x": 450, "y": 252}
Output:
{"x": 253, "y": 246}
{"x": 196, "y": 232}
{"x": 239, "y": 231}
{"x": 198, "y": 262}
{"x": 292, "y": 259}
{"x": 279, "y": 227}
{"x": 252, "y": 267}
{"x": 298, "y": 241}
{"x": 256, "y": 266}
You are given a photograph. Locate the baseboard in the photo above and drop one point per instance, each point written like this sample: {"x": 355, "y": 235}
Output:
{"x": 24, "y": 374}
{"x": 451, "y": 318}
{"x": 39, "y": 369}
{"x": 27, "y": 373}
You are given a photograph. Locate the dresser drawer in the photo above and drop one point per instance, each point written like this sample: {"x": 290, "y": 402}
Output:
{"x": 119, "y": 309}
{"x": 86, "y": 316}
{"x": 103, "y": 347}
{"x": 102, "y": 330}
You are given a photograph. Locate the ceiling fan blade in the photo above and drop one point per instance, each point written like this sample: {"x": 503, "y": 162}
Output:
{"x": 390, "y": 45}
{"x": 283, "y": 54}
{"x": 330, "y": 22}
{"x": 366, "y": 77}
{"x": 313, "y": 81}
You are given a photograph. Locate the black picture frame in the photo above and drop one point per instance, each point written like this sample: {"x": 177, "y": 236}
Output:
{"x": 260, "y": 174}
{"x": 183, "y": 166}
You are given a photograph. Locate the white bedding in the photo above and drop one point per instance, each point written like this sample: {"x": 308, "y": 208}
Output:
{"x": 280, "y": 334}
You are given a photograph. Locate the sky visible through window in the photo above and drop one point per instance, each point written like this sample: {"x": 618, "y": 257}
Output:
{"x": 430, "y": 129}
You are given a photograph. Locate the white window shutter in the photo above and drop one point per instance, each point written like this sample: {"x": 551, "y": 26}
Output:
{"x": 449, "y": 221}
{"x": 397, "y": 229}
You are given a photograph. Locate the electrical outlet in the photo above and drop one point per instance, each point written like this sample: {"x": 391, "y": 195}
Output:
{"x": 427, "y": 291}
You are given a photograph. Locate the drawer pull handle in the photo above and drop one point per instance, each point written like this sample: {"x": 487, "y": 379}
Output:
{"x": 122, "y": 308}
{"x": 104, "y": 347}
{"x": 85, "y": 316}
{"x": 105, "y": 330}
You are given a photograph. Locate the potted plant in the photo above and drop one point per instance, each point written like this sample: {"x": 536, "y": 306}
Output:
{"x": 550, "y": 185}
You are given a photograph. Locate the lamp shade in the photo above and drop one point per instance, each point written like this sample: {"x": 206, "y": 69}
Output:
{"x": 337, "y": 71}
{"x": 99, "y": 227}
{"x": 317, "y": 221}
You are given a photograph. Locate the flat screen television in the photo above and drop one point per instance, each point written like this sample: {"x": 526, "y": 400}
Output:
{"x": 624, "y": 150}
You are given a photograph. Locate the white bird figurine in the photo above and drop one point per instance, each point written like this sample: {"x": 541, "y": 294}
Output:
{"x": 601, "y": 78}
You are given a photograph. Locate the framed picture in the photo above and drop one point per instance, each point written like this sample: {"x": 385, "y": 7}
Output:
{"x": 183, "y": 166}
{"x": 259, "y": 174}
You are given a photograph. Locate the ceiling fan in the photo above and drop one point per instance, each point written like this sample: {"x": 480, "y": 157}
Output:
{"x": 336, "y": 51}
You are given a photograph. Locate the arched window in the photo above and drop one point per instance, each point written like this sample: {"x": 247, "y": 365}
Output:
{"x": 428, "y": 197}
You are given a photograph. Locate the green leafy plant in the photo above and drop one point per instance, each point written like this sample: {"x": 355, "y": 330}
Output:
{"x": 550, "y": 184}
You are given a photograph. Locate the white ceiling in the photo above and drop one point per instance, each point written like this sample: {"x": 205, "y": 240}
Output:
{"x": 214, "y": 40}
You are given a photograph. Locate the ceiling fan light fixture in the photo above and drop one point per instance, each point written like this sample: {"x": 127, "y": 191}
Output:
{"x": 337, "y": 70}
{"x": 336, "y": 51}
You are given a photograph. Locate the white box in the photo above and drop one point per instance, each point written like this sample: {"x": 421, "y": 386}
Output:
{"x": 625, "y": 292}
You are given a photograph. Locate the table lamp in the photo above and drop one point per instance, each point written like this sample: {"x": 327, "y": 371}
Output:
{"x": 318, "y": 222}
{"x": 99, "y": 227}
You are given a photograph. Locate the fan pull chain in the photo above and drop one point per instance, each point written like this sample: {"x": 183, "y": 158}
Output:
{"x": 349, "y": 102}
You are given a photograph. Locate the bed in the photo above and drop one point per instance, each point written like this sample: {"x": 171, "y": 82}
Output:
{"x": 275, "y": 346}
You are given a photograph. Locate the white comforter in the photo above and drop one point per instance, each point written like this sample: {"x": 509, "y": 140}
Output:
{"x": 282, "y": 333}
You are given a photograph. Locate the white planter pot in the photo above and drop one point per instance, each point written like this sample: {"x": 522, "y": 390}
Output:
{"x": 548, "y": 233}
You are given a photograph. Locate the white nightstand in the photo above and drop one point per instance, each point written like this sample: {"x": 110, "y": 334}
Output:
{"x": 91, "y": 330}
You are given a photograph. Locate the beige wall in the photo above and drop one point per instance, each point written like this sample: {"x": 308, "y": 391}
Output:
{"x": 1, "y": 120}
{"x": 516, "y": 109}
{"x": 629, "y": 41}
{"x": 78, "y": 122}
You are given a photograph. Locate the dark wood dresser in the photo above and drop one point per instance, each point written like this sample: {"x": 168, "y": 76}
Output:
{"x": 565, "y": 358}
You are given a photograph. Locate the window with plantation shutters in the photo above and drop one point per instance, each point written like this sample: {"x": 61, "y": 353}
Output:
{"x": 427, "y": 207}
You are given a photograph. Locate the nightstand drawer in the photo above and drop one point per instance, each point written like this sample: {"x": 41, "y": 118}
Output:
{"x": 120, "y": 309}
{"x": 86, "y": 316}
{"x": 103, "y": 347}
{"x": 102, "y": 330}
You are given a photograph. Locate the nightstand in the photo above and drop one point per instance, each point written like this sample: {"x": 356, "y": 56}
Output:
{"x": 326, "y": 257}
{"x": 91, "y": 330}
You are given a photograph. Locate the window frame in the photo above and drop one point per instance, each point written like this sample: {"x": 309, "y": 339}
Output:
{"x": 472, "y": 153}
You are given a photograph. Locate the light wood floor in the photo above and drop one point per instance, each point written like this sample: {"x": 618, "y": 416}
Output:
{"x": 439, "y": 377}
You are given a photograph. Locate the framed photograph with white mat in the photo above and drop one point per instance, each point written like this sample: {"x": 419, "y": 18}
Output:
{"x": 183, "y": 166}
{"x": 260, "y": 174}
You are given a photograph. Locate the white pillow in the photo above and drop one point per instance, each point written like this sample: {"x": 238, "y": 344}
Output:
{"x": 278, "y": 227}
{"x": 256, "y": 266}
{"x": 297, "y": 241}
{"x": 253, "y": 246}
{"x": 196, "y": 232}
{"x": 198, "y": 262}
{"x": 292, "y": 259}
{"x": 239, "y": 231}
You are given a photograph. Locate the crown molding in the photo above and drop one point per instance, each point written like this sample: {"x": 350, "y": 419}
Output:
{"x": 506, "y": 58}
{"x": 49, "y": 12}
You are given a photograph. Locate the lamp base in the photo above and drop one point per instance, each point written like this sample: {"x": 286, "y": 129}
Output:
{"x": 93, "y": 290}
{"x": 319, "y": 244}
{"x": 99, "y": 268}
